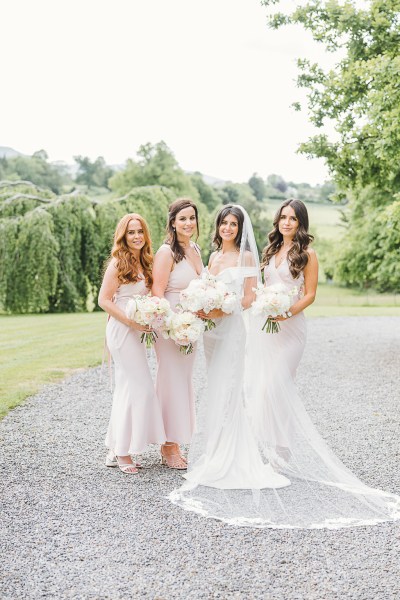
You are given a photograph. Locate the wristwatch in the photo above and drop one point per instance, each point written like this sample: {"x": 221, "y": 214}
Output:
{"x": 289, "y": 314}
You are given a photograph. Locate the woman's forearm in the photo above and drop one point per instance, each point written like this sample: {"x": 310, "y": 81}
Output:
{"x": 110, "y": 307}
{"x": 301, "y": 304}
{"x": 248, "y": 300}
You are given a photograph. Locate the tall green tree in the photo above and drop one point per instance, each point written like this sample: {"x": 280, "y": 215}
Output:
{"x": 277, "y": 182}
{"x": 207, "y": 194}
{"x": 360, "y": 99}
{"x": 156, "y": 165}
{"x": 93, "y": 173}
{"x": 258, "y": 186}
{"x": 35, "y": 169}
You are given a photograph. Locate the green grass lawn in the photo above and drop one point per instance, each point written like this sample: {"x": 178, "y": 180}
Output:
{"x": 332, "y": 301}
{"x": 38, "y": 349}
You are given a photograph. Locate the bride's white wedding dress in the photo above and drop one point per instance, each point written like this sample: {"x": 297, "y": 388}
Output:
{"x": 256, "y": 458}
{"x": 224, "y": 452}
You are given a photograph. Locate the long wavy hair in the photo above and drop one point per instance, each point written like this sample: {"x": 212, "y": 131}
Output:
{"x": 179, "y": 204}
{"x": 127, "y": 265}
{"x": 297, "y": 256}
{"x": 229, "y": 209}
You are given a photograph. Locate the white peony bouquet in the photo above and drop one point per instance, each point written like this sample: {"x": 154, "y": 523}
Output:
{"x": 207, "y": 293}
{"x": 184, "y": 328}
{"x": 149, "y": 311}
{"x": 272, "y": 301}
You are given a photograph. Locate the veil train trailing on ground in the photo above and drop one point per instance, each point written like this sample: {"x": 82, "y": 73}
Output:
{"x": 256, "y": 458}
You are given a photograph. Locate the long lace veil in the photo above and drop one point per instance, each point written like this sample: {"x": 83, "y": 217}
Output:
{"x": 256, "y": 458}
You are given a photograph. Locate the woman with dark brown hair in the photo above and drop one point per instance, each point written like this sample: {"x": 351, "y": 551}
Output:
{"x": 289, "y": 259}
{"x": 176, "y": 263}
{"x": 136, "y": 419}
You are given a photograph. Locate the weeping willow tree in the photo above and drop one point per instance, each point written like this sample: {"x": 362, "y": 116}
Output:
{"x": 74, "y": 224}
{"x": 28, "y": 248}
{"x": 53, "y": 248}
{"x": 35, "y": 264}
{"x": 19, "y": 197}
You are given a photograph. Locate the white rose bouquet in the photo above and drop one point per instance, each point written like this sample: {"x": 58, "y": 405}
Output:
{"x": 272, "y": 301}
{"x": 184, "y": 328}
{"x": 149, "y": 311}
{"x": 207, "y": 293}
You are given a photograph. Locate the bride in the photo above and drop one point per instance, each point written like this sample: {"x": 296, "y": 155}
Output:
{"x": 224, "y": 452}
{"x": 256, "y": 459}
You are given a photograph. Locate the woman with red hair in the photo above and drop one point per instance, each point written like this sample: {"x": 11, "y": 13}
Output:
{"x": 136, "y": 418}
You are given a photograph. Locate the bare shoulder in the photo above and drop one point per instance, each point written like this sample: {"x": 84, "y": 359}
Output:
{"x": 312, "y": 254}
{"x": 164, "y": 253}
{"x": 111, "y": 274}
{"x": 164, "y": 249}
{"x": 113, "y": 262}
{"x": 164, "y": 258}
{"x": 112, "y": 266}
{"x": 311, "y": 267}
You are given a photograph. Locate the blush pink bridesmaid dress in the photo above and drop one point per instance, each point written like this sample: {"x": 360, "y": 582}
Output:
{"x": 136, "y": 419}
{"x": 174, "y": 384}
{"x": 290, "y": 343}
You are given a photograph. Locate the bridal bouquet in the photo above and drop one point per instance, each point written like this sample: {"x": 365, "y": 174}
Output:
{"x": 150, "y": 311}
{"x": 184, "y": 328}
{"x": 207, "y": 293}
{"x": 272, "y": 301}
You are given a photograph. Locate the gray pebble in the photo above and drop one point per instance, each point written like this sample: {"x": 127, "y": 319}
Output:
{"x": 72, "y": 528}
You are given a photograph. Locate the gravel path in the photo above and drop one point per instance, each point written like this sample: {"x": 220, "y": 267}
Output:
{"x": 71, "y": 528}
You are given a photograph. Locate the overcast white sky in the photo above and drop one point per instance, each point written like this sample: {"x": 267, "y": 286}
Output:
{"x": 101, "y": 77}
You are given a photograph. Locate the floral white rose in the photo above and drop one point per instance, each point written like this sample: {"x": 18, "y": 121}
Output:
{"x": 207, "y": 293}
{"x": 272, "y": 301}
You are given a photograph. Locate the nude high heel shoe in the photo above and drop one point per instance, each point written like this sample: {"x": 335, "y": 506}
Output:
{"x": 173, "y": 461}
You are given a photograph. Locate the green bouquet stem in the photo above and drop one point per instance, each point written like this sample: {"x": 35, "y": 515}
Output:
{"x": 271, "y": 326}
{"x": 186, "y": 349}
{"x": 209, "y": 324}
{"x": 148, "y": 338}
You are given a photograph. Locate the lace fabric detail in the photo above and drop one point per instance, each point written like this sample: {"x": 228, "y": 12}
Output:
{"x": 256, "y": 459}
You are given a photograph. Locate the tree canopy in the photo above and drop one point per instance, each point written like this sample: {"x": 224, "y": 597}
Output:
{"x": 35, "y": 169}
{"x": 360, "y": 99}
{"x": 93, "y": 173}
{"x": 156, "y": 165}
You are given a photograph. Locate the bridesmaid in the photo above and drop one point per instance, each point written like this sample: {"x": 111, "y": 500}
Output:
{"x": 176, "y": 263}
{"x": 288, "y": 259}
{"x": 136, "y": 418}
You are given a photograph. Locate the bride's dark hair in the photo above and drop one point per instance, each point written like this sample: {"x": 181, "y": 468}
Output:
{"x": 297, "y": 256}
{"x": 223, "y": 213}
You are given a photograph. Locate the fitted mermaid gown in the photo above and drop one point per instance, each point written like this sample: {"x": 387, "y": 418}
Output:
{"x": 324, "y": 493}
{"x": 136, "y": 419}
{"x": 174, "y": 383}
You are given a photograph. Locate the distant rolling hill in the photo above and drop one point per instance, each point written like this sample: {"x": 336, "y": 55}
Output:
{"x": 7, "y": 152}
